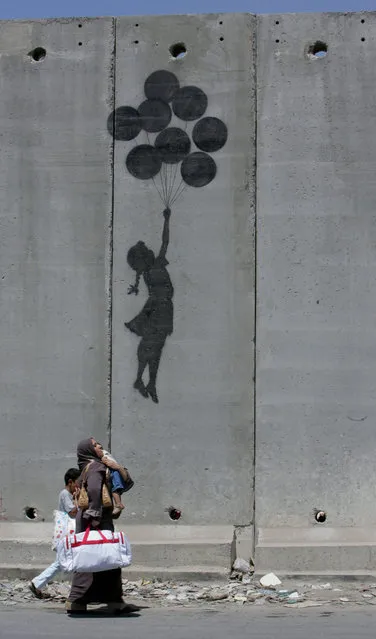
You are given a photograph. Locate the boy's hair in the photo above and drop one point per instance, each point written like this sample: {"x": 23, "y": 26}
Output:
{"x": 73, "y": 474}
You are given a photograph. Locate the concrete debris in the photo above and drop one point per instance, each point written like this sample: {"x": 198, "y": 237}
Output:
{"x": 295, "y": 594}
{"x": 240, "y": 598}
{"x": 270, "y": 580}
{"x": 241, "y": 565}
{"x": 306, "y": 604}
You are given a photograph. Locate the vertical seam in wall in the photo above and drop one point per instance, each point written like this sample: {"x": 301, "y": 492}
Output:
{"x": 255, "y": 98}
{"x": 111, "y": 239}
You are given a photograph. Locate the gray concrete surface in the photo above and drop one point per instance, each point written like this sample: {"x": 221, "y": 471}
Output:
{"x": 70, "y": 211}
{"x": 316, "y": 197}
{"x": 55, "y": 203}
{"x": 195, "y": 449}
{"x": 180, "y": 624}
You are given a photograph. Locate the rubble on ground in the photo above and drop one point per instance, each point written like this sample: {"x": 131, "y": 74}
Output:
{"x": 244, "y": 591}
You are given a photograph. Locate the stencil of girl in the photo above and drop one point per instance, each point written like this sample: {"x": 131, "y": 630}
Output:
{"x": 155, "y": 321}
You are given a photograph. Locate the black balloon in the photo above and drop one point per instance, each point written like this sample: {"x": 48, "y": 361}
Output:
{"x": 124, "y": 123}
{"x": 189, "y": 103}
{"x": 161, "y": 85}
{"x": 198, "y": 169}
{"x": 210, "y": 134}
{"x": 173, "y": 145}
{"x": 155, "y": 115}
{"x": 143, "y": 162}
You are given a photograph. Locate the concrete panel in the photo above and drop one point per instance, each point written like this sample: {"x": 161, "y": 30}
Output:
{"x": 316, "y": 273}
{"x": 55, "y": 203}
{"x": 194, "y": 449}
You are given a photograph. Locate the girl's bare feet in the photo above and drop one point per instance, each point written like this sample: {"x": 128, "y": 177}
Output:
{"x": 152, "y": 391}
{"x": 140, "y": 386}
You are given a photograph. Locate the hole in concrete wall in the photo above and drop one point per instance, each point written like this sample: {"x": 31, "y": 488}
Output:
{"x": 80, "y": 26}
{"x": 178, "y": 50}
{"x": 38, "y": 54}
{"x": 31, "y": 513}
{"x": 320, "y": 516}
{"x": 277, "y": 21}
{"x": 362, "y": 21}
{"x": 80, "y": 44}
{"x": 137, "y": 25}
{"x": 363, "y": 39}
{"x": 221, "y": 39}
{"x": 174, "y": 513}
{"x": 221, "y": 22}
{"x": 318, "y": 50}
{"x": 135, "y": 41}
{"x": 277, "y": 41}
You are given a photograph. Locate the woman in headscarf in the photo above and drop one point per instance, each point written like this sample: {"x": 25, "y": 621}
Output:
{"x": 101, "y": 587}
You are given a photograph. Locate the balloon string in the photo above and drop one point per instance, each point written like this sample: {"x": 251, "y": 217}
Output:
{"x": 174, "y": 172}
{"x": 168, "y": 183}
{"x": 179, "y": 192}
{"x": 164, "y": 180}
{"x": 179, "y": 185}
{"x": 159, "y": 193}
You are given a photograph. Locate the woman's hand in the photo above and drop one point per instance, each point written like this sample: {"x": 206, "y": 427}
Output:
{"x": 110, "y": 463}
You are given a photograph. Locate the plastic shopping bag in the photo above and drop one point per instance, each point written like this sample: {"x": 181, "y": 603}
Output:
{"x": 63, "y": 525}
{"x": 94, "y": 551}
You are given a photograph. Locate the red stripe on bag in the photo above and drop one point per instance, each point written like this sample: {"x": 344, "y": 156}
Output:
{"x": 94, "y": 542}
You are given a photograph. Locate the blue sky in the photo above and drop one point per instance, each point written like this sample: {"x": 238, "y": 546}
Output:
{"x": 10, "y": 9}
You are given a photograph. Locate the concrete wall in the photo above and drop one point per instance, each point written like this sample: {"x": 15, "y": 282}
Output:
{"x": 300, "y": 157}
{"x": 316, "y": 274}
{"x": 55, "y": 206}
{"x": 194, "y": 449}
{"x": 316, "y": 194}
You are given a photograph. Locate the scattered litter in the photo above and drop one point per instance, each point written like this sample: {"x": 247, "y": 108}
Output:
{"x": 321, "y": 587}
{"x": 294, "y": 595}
{"x": 245, "y": 591}
{"x": 270, "y": 580}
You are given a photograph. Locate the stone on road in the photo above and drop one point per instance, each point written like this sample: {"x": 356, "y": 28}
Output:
{"x": 182, "y": 623}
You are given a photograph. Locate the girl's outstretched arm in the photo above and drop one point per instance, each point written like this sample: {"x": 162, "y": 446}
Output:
{"x": 165, "y": 233}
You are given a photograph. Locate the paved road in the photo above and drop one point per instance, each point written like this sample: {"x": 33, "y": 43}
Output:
{"x": 157, "y": 623}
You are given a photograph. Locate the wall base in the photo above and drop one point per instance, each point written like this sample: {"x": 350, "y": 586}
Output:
{"x": 310, "y": 551}
{"x": 156, "y": 549}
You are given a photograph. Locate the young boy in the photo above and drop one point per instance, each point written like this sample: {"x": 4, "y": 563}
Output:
{"x": 68, "y": 505}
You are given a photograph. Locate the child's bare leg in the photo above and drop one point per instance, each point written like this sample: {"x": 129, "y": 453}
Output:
{"x": 142, "y": 354}
{"x": 153, "y": 371}
{"x": 118, "y": 505}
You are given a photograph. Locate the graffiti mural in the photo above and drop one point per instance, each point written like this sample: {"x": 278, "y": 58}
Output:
{"x": 164, "y": 156}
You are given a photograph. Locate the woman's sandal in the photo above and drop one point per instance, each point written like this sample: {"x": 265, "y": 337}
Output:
{"x": 70, "y": 607}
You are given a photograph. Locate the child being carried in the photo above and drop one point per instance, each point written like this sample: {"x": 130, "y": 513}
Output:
{"x": 120, "y": 479}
